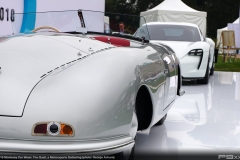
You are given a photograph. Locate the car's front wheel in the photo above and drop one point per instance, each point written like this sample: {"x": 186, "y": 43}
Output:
{"x": 205, "y": 80}
{"x": 212, "y": 68}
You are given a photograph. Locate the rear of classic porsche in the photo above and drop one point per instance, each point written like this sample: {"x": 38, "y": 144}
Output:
{"x": 67, "y": 109}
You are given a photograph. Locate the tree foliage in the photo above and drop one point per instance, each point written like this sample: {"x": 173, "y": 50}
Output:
{"x": 219, "y": 12}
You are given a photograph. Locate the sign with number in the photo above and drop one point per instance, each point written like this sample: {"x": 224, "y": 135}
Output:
{"x": 8, "y": 11}
{"x": 7, "y": 14}
{"x": 13, "y": 21}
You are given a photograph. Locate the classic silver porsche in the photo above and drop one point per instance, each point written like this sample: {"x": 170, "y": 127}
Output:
{"x": 77, "y": 88}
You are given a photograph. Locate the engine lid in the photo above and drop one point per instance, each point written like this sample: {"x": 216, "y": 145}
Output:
{"x": 23, "y": 60}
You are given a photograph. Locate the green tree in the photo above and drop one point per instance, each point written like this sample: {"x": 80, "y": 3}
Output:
{"x": 120, "y": 6}
{"x": 219, "y": 13}
{"x": 111, "y": 6}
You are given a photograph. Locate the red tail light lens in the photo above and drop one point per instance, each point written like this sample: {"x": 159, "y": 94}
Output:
{"x": 40, "y": 129}
{"x": 52, "y": 129}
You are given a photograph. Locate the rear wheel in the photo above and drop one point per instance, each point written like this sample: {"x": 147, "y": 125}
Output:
{"x": 161, "y": 121}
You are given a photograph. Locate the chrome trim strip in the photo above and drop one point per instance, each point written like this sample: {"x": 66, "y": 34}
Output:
{"x": 130, "y": 143}
{"x": 65, "y": 147}
{"x": 66, "y": 140}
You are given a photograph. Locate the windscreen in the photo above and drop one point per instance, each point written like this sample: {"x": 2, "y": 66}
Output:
{"x": 81, "y": 21}
{"x": 169, "y": 32}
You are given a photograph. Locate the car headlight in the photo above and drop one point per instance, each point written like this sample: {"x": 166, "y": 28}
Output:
{"x": 196, "y": 52}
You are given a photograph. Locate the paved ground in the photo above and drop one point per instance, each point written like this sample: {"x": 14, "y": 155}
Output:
{"x": 205, "y": 120}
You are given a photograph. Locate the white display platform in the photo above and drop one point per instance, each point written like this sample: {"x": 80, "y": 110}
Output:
{"x": 204, "y": 120}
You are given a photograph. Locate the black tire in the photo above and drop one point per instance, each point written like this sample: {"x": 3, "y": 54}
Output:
{"x": 161, "y": 121}
{"x": 212, "y": 68}
{"x": 205, "y": 80}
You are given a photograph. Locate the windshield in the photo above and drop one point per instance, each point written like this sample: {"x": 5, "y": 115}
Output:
{"x": 169, "y": 32}
{"x": 82, "y": 21}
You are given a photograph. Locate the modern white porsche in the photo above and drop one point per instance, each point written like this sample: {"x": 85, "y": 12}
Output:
{"x": 195, "y": 52}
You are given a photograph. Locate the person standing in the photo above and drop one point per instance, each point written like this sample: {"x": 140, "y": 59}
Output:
{"x": 121, "y": 28}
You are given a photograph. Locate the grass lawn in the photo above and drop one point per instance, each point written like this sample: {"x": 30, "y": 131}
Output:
{"x": 228, "y": 66}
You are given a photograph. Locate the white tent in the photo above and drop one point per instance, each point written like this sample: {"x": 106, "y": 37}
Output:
{"x": 176, "y": 11}
{"x": 219, "y": 31}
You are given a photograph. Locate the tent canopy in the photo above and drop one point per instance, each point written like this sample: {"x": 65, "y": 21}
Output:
{"x": 176, "y": 11}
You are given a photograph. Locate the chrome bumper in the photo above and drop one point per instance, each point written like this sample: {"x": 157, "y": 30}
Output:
{"x": 97, "y": 147}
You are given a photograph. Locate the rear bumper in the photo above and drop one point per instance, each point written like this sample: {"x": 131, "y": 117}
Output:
{"x": 97, "y": 147}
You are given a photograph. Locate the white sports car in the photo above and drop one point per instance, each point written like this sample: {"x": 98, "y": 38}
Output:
{"x": 195, "y": 52}
{"x": 63, "y": 91}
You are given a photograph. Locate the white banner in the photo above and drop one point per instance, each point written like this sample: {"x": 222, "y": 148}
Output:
{"x": 9, "y": 10}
